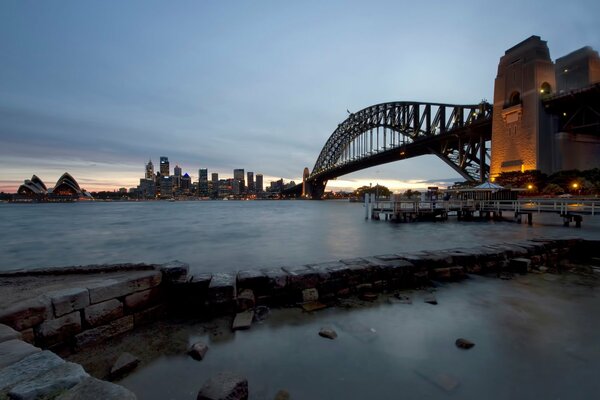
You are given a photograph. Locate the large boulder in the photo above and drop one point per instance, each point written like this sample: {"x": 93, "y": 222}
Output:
{"x": 93, "y": 389}
{"x": 224, "y": 386}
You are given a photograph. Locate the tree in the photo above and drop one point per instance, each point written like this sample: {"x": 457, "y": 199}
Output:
{"x": 377, "y": 189}
{"x": 553, "y": 189}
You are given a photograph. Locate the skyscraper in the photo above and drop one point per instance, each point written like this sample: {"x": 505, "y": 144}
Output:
{"x": 259, "y": 183}
{"x": 164, "y": 166}
{"x": 251, "y": 187}
{"x": 177, "y": 176}
{"x": 150, "y": 170}
{"x": 214, "y": 177}
{"x": 203, "y": 182}
{"x": 238, "y": 175}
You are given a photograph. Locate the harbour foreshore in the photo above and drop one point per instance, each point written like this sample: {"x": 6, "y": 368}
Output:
{"x": 66, "y": 309}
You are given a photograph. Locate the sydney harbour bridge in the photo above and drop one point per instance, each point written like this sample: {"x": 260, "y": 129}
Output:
{"x": 561, "y": 113}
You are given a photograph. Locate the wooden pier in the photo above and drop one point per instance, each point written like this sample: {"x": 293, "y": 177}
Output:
{"x": 571, "y": 210}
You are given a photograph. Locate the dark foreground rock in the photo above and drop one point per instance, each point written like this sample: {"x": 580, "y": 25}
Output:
{"x": 328, "y": 333}
{"x": 27, "y": 369}
{"x": 198, "y": 351}
{"x": 124, "y": 364}
{"x": 224, "y": 386}
{"x": 48, "y": 385}
{"x": 464, "y": 343}
{"x": 94, "y": 389}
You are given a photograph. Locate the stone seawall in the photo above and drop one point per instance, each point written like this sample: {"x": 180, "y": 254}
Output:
{"x": 67, "y": 309}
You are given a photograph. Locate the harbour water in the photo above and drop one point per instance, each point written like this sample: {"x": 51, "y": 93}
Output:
{"x": 236, "y": 235}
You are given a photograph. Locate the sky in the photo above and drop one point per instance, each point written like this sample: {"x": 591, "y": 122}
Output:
{"x": 97, "y": 88}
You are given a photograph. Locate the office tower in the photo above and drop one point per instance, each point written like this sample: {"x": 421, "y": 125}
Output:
{"x": 203, "y": 182}
{"x": 186, "y": 183}
{"x": 251, "y": 187}
{"x": 150, "y": 170}
{"x": 164, "y": 166}
{"x": 177, "y": 177}
{"x": 259, "y": 183}
{"x": 238, "y": 175}
{"x": 214, "y": 177}
{"x": 166, "y": 186}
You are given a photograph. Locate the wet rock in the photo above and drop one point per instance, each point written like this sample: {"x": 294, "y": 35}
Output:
{"x": 175, "y": 271}
{"x": 104, "y": 332}
{"x": 309, "y": 295}
{"x": 368, "y": 296}
{"x": 519, "y": 265}
{"x": 464, "y": 343}
{"x": 61, "y": 377}
{"x": 58, "y": 330}
{"x": 255, "y": 280}
{"x": 68, "y": 300}
{"x": 28, "y": 368}
{"x": 430, "y": 299}
{"x": 93, "y": 389}
{"x": 245, "y": 300}
{"x": 261, "y": 313}
{"x": 313, "y": 306}
{"x": 222, "y": 288}
{"x": 224, "y": 386}
{"x": 198, "y": 351}
{"x": 8, "y": 333}
{"x": 328, "y": 333}
{"x": 15, "y": 350}
{"x": 100, "y": 313}
{"x": 107, "y": 289}
{"x": 282, "y": 395}
{"x": 26, "y": 314}
{"x": 140, "y": 300}
{"x": 403, "y": 299}
{"x": 126, "y": 363}
{"x": 243, "y": 320}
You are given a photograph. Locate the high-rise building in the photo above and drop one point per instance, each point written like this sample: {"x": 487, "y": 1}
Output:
{"x": 186, "y": 183}
{"x": 214, "y": 177}
{"x": 177, "y": 177}
{"x": 164, "y": 166}
{"x": 166, "y": 186}
{"x": 203, "y": 182}
{"x": 259, "y": 183}
{"x": 238, "y": 175}
{"x": 150, "y": 170}
{"x": 251, "y": 188}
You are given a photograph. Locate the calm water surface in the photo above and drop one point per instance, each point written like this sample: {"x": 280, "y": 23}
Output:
{"x": 234, "y": 235}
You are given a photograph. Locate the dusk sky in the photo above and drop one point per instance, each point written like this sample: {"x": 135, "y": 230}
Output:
{"x": 96, "y": 88}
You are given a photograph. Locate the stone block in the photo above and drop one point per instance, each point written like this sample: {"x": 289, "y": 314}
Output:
{"x": 26, "y": 314}
{"x": 198, "y": 350}
{"x": 442, "y": 274}
{"x": 301, "y": 277}
{"x": 458, "y": 272}
{"x": 8, "y": 333}
{"x": 175, "y": 272}
{"x": 222, "y": 288}
{"x": 224, "y": 386}
{"x": 58, "y": 330}
{"x": 93, "y": 389}
{"x": 519, "y": 265}
{"x": 243, "y": 320}
{"x": 28, "y": 335}
{"x": 101, "y": 333}
{"x": 338, "y": 270}
{"x": 144, "y": 299}
{"x": 28, "y": 368}
{"x": 126, "y": 363}
{"x": 101, "y": 313}
{"x": 123, "y": 285}
{"x": 68, "y": 300}
{"x": 277, "y": 278}
{"x": 245, "y": 300}
{"x": 15, "y": 350}
{"x": 149, "y": 315}
{"x": 309, "y": 295}
{"x": 253, "y": 279}
{"x": 49, "y": 384}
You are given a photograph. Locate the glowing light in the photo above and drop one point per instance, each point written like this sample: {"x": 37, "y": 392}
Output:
{"x": 575, "y": 185}
{"x": 530, "y": 186}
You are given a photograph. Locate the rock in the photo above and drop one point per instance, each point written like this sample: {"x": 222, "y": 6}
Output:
{"x": 222, "y": 288}
{"x": 198, "y": 351}
{"x": 68, "y": 300}
{"x": 130, "y": 282}
{"x": 403, "y": 298}
{"x": 224, "y": 386}
{"x": 26, "y": 314}
{"x": 368, "y": 296}
{"x": 124, "y": 364}
{"x": 464, "y": 343}
{"x": 243, "y": 320}
{"x": 58, "y": 330}
{"x": 8, "y": 333}
{"x": 15, "y": 350}
{"x": 101, "y": 333}
{"x": 282, "y": 395}
{"x": 93, "y": 389}
{"x": 313, "y": 306}
{"x": 309, "y": 295}
{"x": 520, "y": 265}
{"x": 28, "y": 368}
{"x": 149, "y": 315}
{"x": 61, "y": 377}
{"x": 140, "y": 300}
{"x": 328, "y": 333}
{"x": 175, "y": 271}
{"x": 430, "y": 299}
{"x": 245, "y": 300}
{"x": 261, "y": 313}
{"x": 101, "y": 313}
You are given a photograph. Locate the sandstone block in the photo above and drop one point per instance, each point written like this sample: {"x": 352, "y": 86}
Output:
{"x": 93, "y": 389}
{"x": 441, "y": 273}
{"x": 8, "y": 333}
{"x": 101, "y": 313}
{"x": 140, "y": 300}
{"x": 68, "y": 300}
{"x": 58, "y": 330}
{"x": 243, "y": 320}
{"x": 15, "y": 350}
{"x": 309, "y": 295}
{"x": 224, "y": 386}
{"x": 149, "y": 315}
{"x": 47, "y": 385}
{"x": 221, "y": 288}
{"x": 253, "y": 279}
{"x": 26, "y": 314}
{"x": 245, "y": 300}
{"x": 123, "y": 285}
{"x": 175, "y": 271}
{"x": 101, "y": 333}
{"x": 519, "y": 265}
{"x": 28, "y": 368}
{"x": 277, "y": 278}
{"x": 126, "y": 363}
{"x": 301, "y": 277}
{"x": 28, "y": 335}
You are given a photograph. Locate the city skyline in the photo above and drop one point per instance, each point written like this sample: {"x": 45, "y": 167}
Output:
{"x": 94, "y": 88}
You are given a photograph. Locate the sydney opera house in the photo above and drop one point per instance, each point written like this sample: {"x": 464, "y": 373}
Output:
{"x": 66, "y": 189}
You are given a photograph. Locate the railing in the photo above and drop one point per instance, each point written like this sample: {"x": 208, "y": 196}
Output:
{"x": 560, "y": 206}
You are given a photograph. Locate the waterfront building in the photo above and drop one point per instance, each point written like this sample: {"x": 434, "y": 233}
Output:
{"x": 185, "y": 183}
{"x": 258, "y": 186}
{"x": 203, "y": 182}
{"x": 238, "y": 174}
{"x": 164, "y": 166}
{"x": 149, "y": 170}
{"x": 147, "y": 188}
{"x": 166, "y": 186}
{"x": 176, "y": 177}
{"x": 214, "y": 177}
{"x": 251, "y": 188}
